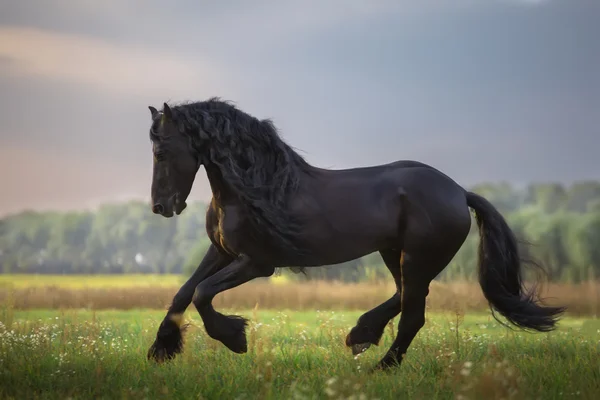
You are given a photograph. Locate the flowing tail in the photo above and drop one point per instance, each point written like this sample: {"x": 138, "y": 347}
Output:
{"x": 500, "y": 271}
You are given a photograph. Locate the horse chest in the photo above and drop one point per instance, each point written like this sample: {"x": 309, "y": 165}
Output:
{"x": 228, "y": 230}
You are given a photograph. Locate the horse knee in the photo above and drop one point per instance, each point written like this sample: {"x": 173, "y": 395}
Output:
{"x": 201, "y": 296}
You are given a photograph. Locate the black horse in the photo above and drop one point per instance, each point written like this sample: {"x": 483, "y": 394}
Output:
{"x": 272, "y": 209}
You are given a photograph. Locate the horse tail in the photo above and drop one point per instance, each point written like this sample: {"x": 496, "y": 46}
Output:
{"x": 500, "y": 272}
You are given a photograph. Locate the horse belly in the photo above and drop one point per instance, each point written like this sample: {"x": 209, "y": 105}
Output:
{"x": 343, "y": 237}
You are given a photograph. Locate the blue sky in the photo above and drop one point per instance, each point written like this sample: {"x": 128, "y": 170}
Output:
{"x": 498, "y": 90}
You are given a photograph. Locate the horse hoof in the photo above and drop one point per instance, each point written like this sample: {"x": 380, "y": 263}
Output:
{"x": 231, "y": 331}
{"x": 166, "y": 346}
{"x": 237, "y": 344}
{"x": 360, "y": 339}
{"x": 157, "y": 354}
{"x": 360, "y": 348}
{"x": 387, "y": 363}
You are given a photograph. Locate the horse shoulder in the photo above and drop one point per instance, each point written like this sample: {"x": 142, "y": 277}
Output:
{"x": 224, "y": 225}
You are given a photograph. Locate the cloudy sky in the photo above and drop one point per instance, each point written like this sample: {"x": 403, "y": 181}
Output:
{"x": 497, "y": 90}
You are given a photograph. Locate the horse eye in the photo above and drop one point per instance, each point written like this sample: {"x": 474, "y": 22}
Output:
{"x": 160, "y": 156}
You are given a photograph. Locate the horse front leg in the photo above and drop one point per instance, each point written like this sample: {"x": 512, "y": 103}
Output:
{"x": 230, "y": 330}
{"x": 169, "y": 338}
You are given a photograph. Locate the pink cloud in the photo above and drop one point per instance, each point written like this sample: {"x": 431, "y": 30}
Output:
{"x": 117, "y": 69}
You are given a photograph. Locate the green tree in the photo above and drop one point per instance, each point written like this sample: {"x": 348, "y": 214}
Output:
{"x": 581, "y": 194}
{"x": 562, "y": 226}
{"x": 550, "y": 197}
{"x": 546, "y": 234}
{"x": 503, "y": 196}
{"x": 584, "y": 252}
{"x": 194, "y": 257}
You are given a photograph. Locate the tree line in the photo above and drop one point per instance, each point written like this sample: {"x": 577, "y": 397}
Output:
{"x": 560, "y": 223}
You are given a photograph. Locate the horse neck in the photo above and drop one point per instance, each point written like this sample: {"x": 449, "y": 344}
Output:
{"x": 221, "y": 190}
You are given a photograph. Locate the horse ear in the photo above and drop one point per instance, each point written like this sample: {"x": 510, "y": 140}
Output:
{"x": 153, "y": 110}
{"x": 167, "y": 111}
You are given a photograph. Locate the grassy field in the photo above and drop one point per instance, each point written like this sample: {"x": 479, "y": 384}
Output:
{"x": 83, "y": 354}
{"x": 87, "y": 337}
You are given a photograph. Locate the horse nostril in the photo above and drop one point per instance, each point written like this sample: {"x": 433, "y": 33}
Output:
{"x": 158, "y": 208}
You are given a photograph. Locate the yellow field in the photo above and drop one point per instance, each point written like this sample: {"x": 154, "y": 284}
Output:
{"x": 22, "y": 281}
{"x": 156, "y": 292}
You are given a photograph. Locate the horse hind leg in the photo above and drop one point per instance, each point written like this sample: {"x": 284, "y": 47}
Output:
{"x": 371, "y": 325}
{"x": 418, "y": 270}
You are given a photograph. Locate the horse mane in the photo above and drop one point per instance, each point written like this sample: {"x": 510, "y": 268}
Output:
{"x": 261, "y": 169}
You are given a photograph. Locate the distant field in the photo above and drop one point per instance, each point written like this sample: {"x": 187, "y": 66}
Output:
{"x": 126, "y": 292}
{"x": 21, "y": 281}
{"x": 292, "y": 355}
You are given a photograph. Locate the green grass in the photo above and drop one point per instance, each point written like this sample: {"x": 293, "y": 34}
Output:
{"x": 19, "y": 281}
{"x": 51, "y": 354}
